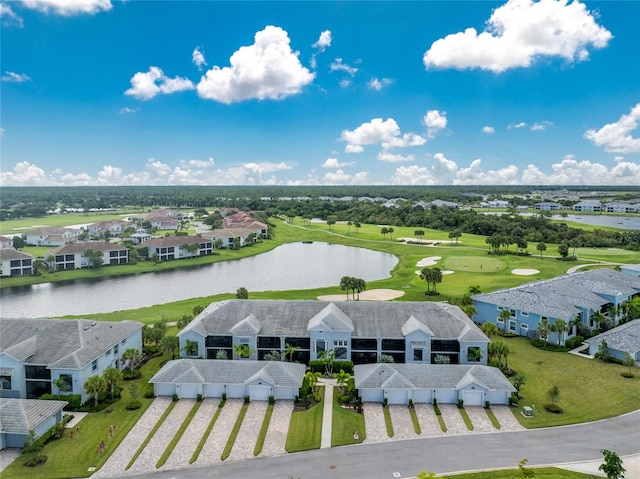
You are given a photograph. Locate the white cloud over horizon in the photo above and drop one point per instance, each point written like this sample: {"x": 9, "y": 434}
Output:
{"x": 616, "y": 137}
{"x": 489, "y": 130}
{"x": 13, "y": 77}
{"x": 435, "y": 121}
{"x": 268, "y": 69}
{"x": 520, "y": 32}
{"x": 386, "y": 133}
{"x": 69, "y": 7}
{"x": 147, "y": 85}
{"x": 437, "y": 171}
{"x": 334, "y": 163}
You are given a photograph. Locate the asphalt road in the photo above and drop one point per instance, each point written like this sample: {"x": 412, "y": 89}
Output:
{"x": 564, "y": 444}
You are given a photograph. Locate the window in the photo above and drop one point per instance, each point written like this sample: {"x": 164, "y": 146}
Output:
{"x": 340, "y": 342}
{"x": 124, "y": 341}
{"x": 417, "y": 354}
{"x": 5, "y": 382}
{"x": 116, "y": 349}
{"x": 268, "y": 342}
{"x": 219, "y": 341}
{"x": 321, "y": 346}
{"x": 513, "y": 312}
{"x": 37, "y": 372}
{"x": 500, "y": 320}
{"x": 524, "y": 327}
{"x": 474, "y": 354}
{"x": 94, "y": 365}
{"x": 393, "y": 344}
{"x": 364, "y": 344}
{"x": 68, "y": 381}
{"x": 524, "y": 313}
{"x": 512, "y": 326}
{"x": 108, "y": 352}
{"x": 448, "y": 345}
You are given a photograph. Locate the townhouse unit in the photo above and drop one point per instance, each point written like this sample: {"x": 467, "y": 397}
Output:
{"x": 74, "y": 256}
{"x": 572, "y": 297}
{"x": 15, "y": 263}
{"x": 108, "y": 228}
{"x": 52, "y": 236}
{"x": 177, "y": 247}
{"x": 360, "y": 331}
{"x": 548, "y": 206}
{"x": 620, "y": 207}
{"x": 588, "y": 205}
{"x": 19, "y": 416}
{"x": 36, "y": 352}
{"x": 244, "y": 221}
{"x": 232, "y": 238}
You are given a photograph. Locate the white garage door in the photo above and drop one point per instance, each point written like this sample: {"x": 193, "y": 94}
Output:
{"x": 213, "y": 390}
{"x": 188, "y": 390}
{"x": 446, "y": 396}
{"x": 472, "y": 398}
{"x": 371, "y": 395}
{"x": 396, "y": 396}
{"x": 166, "y": 389}
{"x": 259, "y": 393}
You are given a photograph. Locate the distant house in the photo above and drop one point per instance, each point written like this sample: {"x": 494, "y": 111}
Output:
{"x": 588, "y": 205}
{"x": 112, "y": 228}
{"x": 19, "y": 416}
{"x": 6, "y": 241}
{"x": 72, "y": 256}
{"x": 578, "y": 295}
{"x": 140, "y": 236}
{"x": 444, "y": 204}
{"x": 35, "y": 352}
{"x": 359, "y": 331}
{"x": 424, "y": 383}
{"x": 621, "y": 339}
{"x": 631, "y": 269}
{"x": 495, "y": 204}
{"x": 231, "y": 236}
{"x": 15, "y": 263}
{"x": 52, "y": 236}
{"x": 212, "y": 378}
{"x": 163, "y": 222}
{"x": 244, "y": 220}
{"x": 178, "y": 247}
{"x": 548, "y": 206}
{"x": 619, "y": 207}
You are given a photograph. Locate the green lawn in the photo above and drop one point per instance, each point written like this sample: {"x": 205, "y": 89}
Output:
{"x": 540, "y": 473}
{"x": 589, "y": 389}
{"x": 305, "y": 429}
{"x": 262, "y": 435}
{"x": 68, "y": 457}
{"x": 344, "y": 423}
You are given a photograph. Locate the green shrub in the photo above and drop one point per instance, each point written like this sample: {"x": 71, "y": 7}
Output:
{"x": 149, "y": 392}
{"x": 199, "y": 397}
{"x": 385, "y": 402}
{"x": 224, "y": 396}
{"x": 460, "y": 402}
{"x": 175, "y": 397}
{"x": 272, "y": 400}
{"x": 247, "y": 399}
{"x": 574, "y": 342}
{"x": 133, "y": 405}
{"x": 74, "y": 400}
{"x": 318, "y": 366}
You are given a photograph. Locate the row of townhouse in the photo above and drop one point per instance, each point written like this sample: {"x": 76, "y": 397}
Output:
{"x": 611, "y": 207}
{"x": 574, "y": 298}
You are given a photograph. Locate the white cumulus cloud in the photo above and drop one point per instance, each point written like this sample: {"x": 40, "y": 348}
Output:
{"x": 386, "y": 133}
{"x": 394, "y": 158}
{"x": 543, "y": 125}
{"x": 334, "y": 163}
{"x": 146, "y": 85}
{"x": 268, "y": 69}
{"x": 324, "y": 41}
{"x": 12, "y": 77}
{"x": 197, "y": 58}
{"x": 489, "y": 130}
{"x": 379, "y": 84}
{"x": 434, "y": 120}
{"x": 339, "y": 177}
{"x": 69, "y": 7}
{"x": 518, "y": 33}
{"x": 617, "y": 137}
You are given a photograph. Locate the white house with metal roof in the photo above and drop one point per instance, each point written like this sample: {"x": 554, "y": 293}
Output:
{"x": 624, "y": 338}
{"x": 422, "y": 383}
{"x": 19, "y": 416}
{"x": 36, "y": 352}
{"x": 212, "y": 378}
{"x": 359, "y": 331}
{"x": 577, "y": 295}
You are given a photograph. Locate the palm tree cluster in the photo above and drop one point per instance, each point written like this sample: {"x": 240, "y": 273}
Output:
{"x": 499, "y": 350}
{"x": 433, "y": 276}
{"x": 355, "y": 285}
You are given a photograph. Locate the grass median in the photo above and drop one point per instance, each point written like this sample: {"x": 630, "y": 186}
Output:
{"x": 346, "y": 423}
{"x": 305, "y": 429}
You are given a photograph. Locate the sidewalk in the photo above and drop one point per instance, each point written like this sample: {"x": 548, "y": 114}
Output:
{"x": 631, "y": 465}
{"x": 327, "y": 412}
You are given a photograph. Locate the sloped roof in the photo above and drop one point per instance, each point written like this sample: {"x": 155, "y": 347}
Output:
{"x": 625, "y": 337}
{"x": 429, "y": 376}
{"x": 218, "y": 371}
{"x": 366, "y": 319}
{"x": 563, "y": 296}
{"x": 61, "y": 344}
{"x": 175, "y": 241}
{"x": 74, "y": 248}
{"x": 248, "y": 326}
{"x": 18, "y": 416}
{"x": 12, "y": 253}
{"x": 412, "y": 324}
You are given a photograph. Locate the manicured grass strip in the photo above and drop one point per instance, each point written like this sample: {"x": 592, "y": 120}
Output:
{"x": 436, "y": 410}
{"x": 466, "y": 418}
{"x": 176, "y": 438}
{"x": 414, "y": 420}
{"x": 345, "y": 423}
{"x": 492, "y": 418}
{"x": 305, "y": 429}
{"x": 387, "y": 421}
{"x": 263, "y": 430}
{"x": 151, "y": 434}
{"x": 234, "y": 432}
{"x": 541, "y": 473}
{"x": 205, "y": 436}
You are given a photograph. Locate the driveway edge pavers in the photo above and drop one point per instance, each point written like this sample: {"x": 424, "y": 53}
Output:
{"x": 212, "y": 451}
{"x": 247, "y": 436}
{"x": 276, "y": 439}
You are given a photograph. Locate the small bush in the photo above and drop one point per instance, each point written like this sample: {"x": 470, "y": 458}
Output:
{"x": 385, "y": 402}
{"x": 487, "y": 404}
{"x": 133, "y": 405}
{"x": 627, "y": 375}
{"x": 175, "y": 397}
{"x": 129, "y": 375}
{"x": 74, "y": 400}
{"x": 272, "y": 400}
{"x": 435, "y": 401}
{"x": 574, "y": 342}
{"x": 35, "y": 461}
{"x": 149, "y": 393}
{"x": 224, "y": 396}
{"x": 199, "y": 397}
{"x": 410, "y": 403}
{"x": 247, "y": 399}
{"x": 553, "y": 408}
{"x": 460, "y": 402}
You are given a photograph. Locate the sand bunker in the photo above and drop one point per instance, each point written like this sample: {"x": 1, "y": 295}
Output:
{"x": 430, "y": 261}
{"x": 421, "y": 241}
{"x": 371, "y": 295}
{"x": 524, "y": 271}
{"x": 444, "y": 271}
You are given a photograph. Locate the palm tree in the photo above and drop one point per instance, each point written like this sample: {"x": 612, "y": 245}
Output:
{"x": 94, "y": 385}
{"x": 218, "y": 244}
{"x": 436, "y": 277}
{"x": 418, "y": 233}
{"x": 474, "y": 289}
{"x": 349, "y": 224}
{"x": 327, "y": 357}
{"x": 242, "y": 293}
{"x": 111, "y": 377}
{"x": 505, "y": 314}
{"x": 384, "y": 232}
{"x": 426, "y": 274}
{"x": 312, "y": 378}
{"x": 290, "y": 350}
{"x": 543, "y": 330}
{"x": 345, "y": 284}
{"x": 343, "y": 380}
{"x": 360, "y": 285}
{"x": 61, "y": 385}
{"x": 490, "y": 329}
{"x": 133, "y": 357}
{"x": 170, "y": 344}
{"x": 242, "y": 351}
{"x": 561, "y": 328}
{"x": 598, "y": 318}
{"x": 357, "y": 226}
{"x": 541, "y": 247}
{"x": 191, "y": 347}
{"x": 390, "y": 231}
{"x": 575, "y": 323}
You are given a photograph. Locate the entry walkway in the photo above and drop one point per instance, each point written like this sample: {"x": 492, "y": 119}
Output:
{"x": 327, "y": 412}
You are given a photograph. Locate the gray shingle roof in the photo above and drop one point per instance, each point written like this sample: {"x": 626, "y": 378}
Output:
{"x": 214, "y": 371}
{"x": 61, "y": 344}
{"x": 74, "y": 248}
{"x": 368, "y": 319}
{"x": 12, "y": 253}
{"x": 625, "y": 337}
{"x": 561, "y": 297}
{"x": 17, "y": 416}
{"x": 429, "y": 376}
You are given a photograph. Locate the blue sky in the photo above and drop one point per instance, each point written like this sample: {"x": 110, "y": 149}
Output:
{"x": 248, "y": 93}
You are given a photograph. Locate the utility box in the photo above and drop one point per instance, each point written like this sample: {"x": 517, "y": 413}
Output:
{"x": 527, "y": 411}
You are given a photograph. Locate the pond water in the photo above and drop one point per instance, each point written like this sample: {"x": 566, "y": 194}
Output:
{"x": 289, "y": 266}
